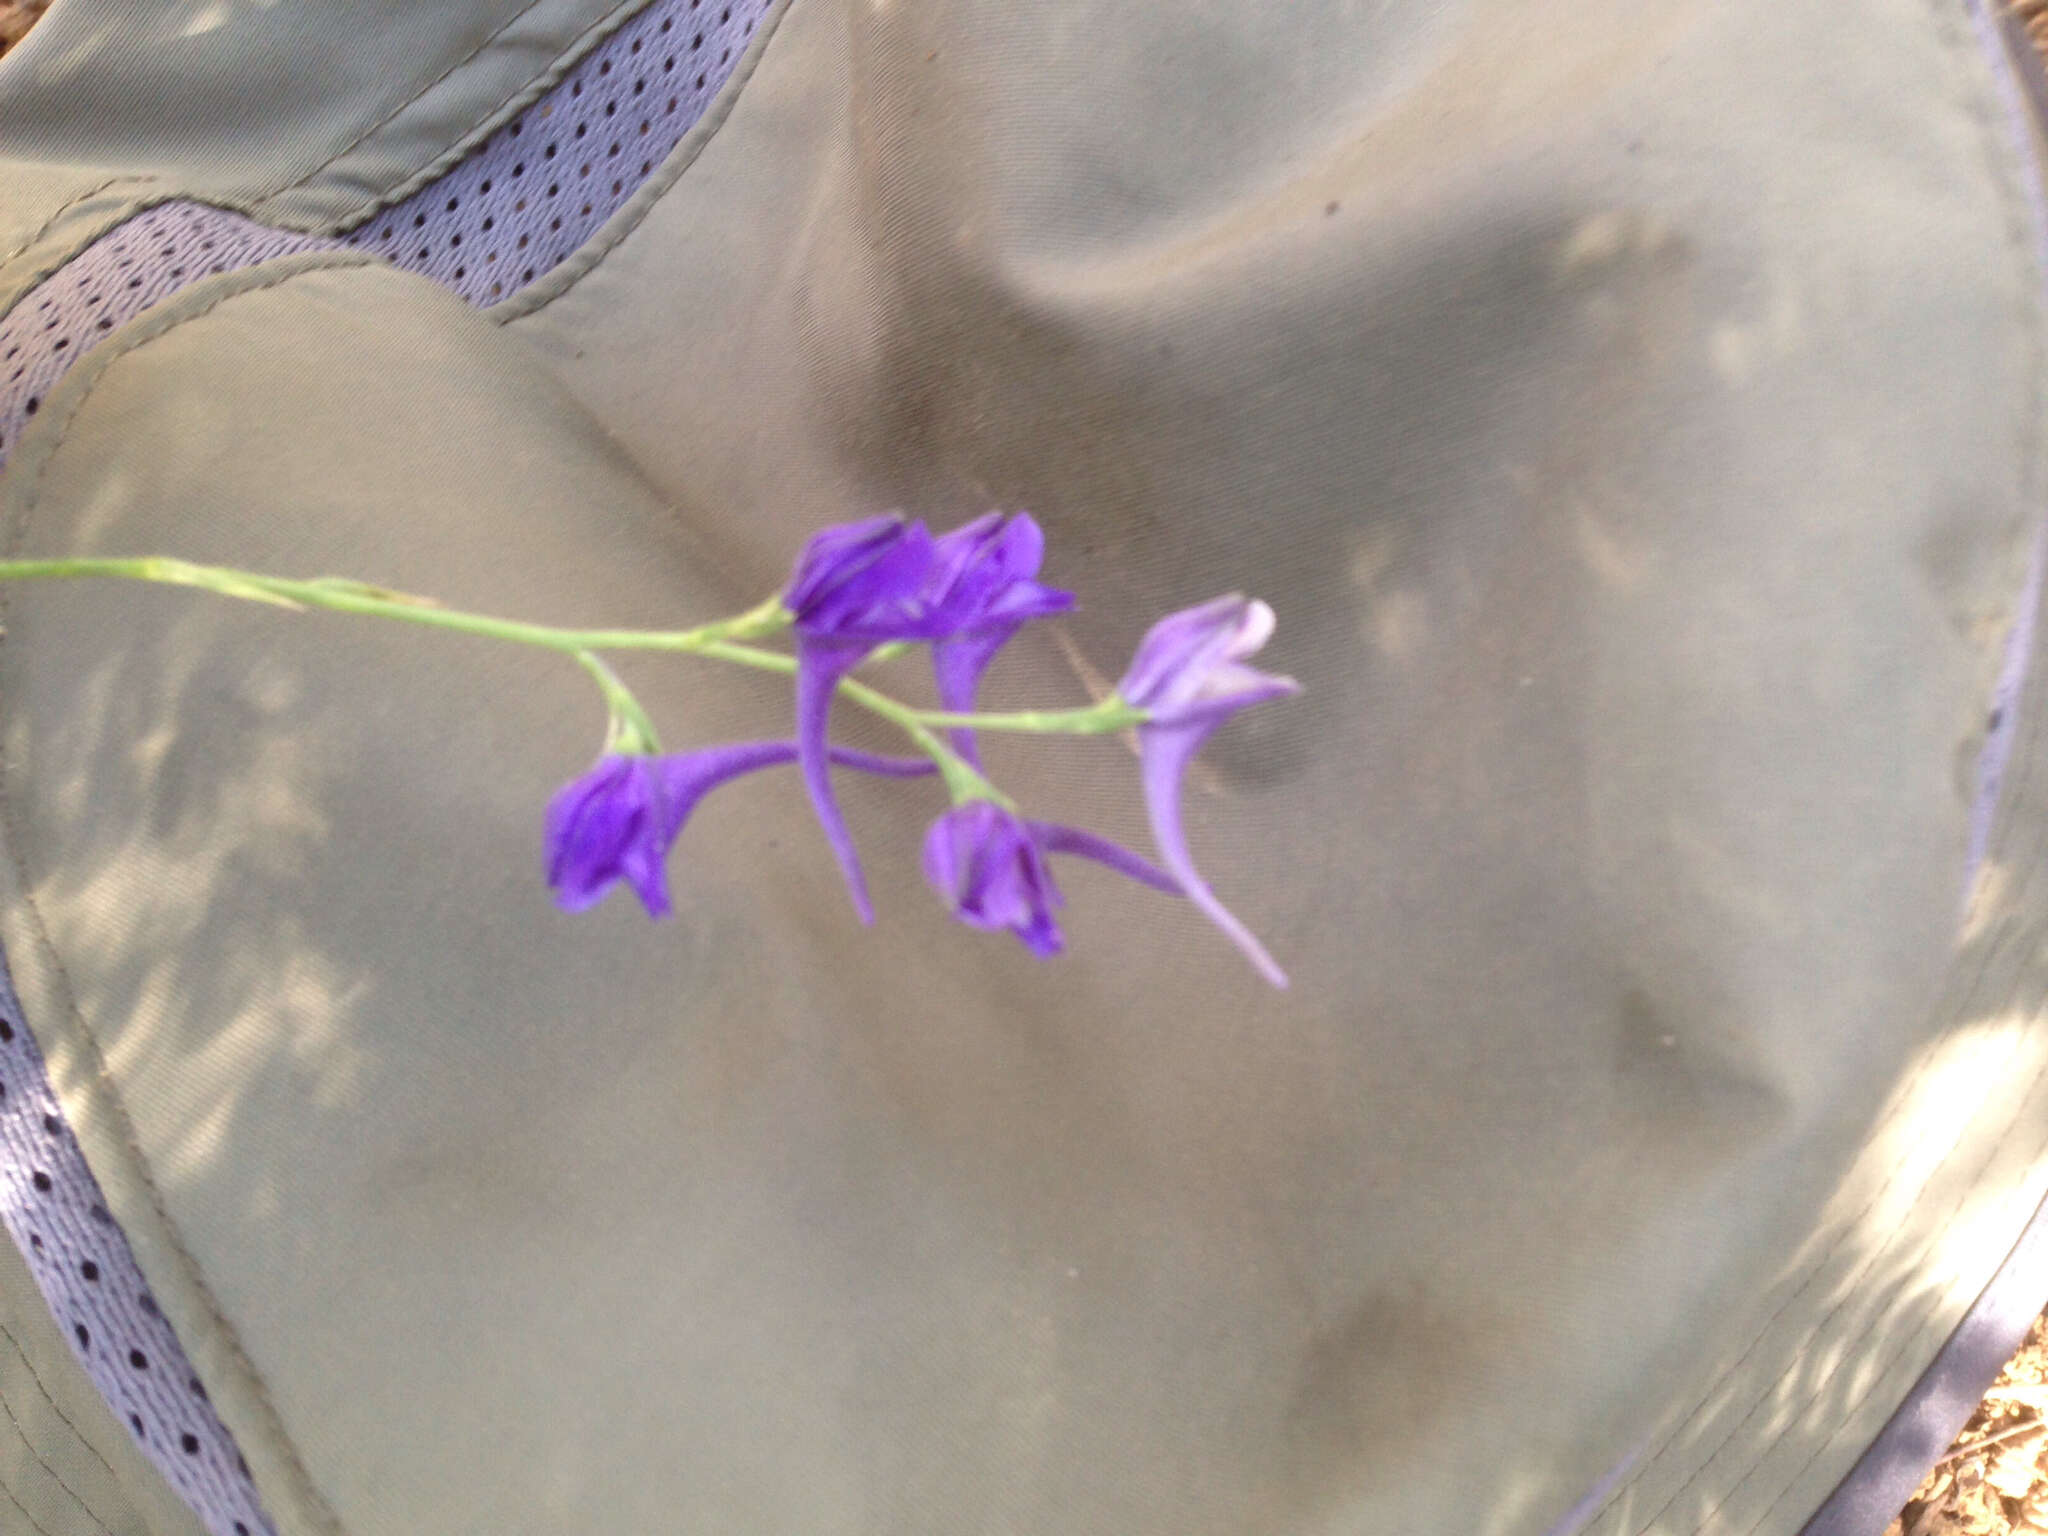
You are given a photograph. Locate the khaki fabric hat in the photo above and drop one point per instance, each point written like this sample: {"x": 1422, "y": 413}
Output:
{"x": 1633, "y": 413}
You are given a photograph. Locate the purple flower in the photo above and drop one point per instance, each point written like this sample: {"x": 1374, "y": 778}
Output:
{"x": 1189, "y": 675}
{"x": 988, "y": 866}
{"x": 854, "y": 588}
{"x": 619, "y": 820}
{"x": 983, "y": 588}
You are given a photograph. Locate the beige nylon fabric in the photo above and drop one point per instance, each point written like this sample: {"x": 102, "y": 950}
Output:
{"x": 1633, "y": 414}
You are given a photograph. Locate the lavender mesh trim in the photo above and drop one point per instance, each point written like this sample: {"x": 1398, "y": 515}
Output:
{"x": 113, "y": 280}
{"x": 539, "y": 187}
{"x": 50, "y": 1205}
{"x": 520, "y": 205}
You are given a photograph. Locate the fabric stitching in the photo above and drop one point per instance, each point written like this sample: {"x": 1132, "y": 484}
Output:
{"x": 411, "y": 101}
{"x": 55, "y": 1407}
{"x": 86, "y": 196}
{"x": 101, "y": 359}
{"x": 613, "y": 233}
{"x": 42, "y": 1462}
{"x": 41, "y": 1529}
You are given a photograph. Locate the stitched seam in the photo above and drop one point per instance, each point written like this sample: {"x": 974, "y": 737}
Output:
{"x": 384, "y": 122}
{"x": 109, "y": 1094}
{"x": 1991, "y": 950}
{"x": 45, "y": 1465}
{"x": 41, "y": 1529}
{"x": 86, "y": 196}
{"x": 55, "y": 1407}
{"x": 588, "y": 257}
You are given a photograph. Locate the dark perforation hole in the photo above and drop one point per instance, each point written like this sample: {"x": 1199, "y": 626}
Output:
{"x": 583, "y": 169}
{"x": 549, "y": 152}
{"x": 90, "y": 1271}
{"x": 520, "y": 206}
{"x": 106, "y": 325}
{"x": 192, "y": 1385}
{"x": 639, "y": 86}
{"x": 6, "y": 1029}
{"x": 419, "y": 221}
{"x": 672, "y": 104}
{"x": 554, "y": 224}
{"x": 668, "y": 66}
{"x": 206, "y": 245}
{"x": 618, "y": 186}
{"x": 454, "y": 240}
{"x": 644, "y": 127}
{"x": 636, "y": 46}
{"x": 147, "y": 1302}
{"x": 12, "y": 354}
{"x": 487, "y": 186}
{"x": 41, "y": 1180}
{"x": 189, "y": 1443}
{"x": 613, "y": 152}
{"x": 454, "y": 203}
{"x": 99, "y": 1214}
{"x": 135, "y": 1423}
{"x": 575, "y": 87}
{"x": 241, "y": 1465}
{"x": 216, "y": 269}
{"x": 519, "y": 168}
{"x": 724, "y": 54}
{"x": 137, "y": 1360}
{"x": 611, "y": 109}
{"x": 241, "y": 1529}
{"x": 604, "y": 66}
{"x": 700, "y": 82}
{"x": 582, "y": 129}
{"x": 554, "y": 187}
{"x": 3, "y": 1086}
{"x": 588, "y": 208}
{"x": 426, "y": 254}
{"x": 176, "y": 273}
{"x": 725, "y": 15}
{"x": 489, "y": 225}
{"x": 459, "y": 271}
{"x": 528, "y": 276}
{"x": 515, "y": 130}
{"x": 35, "y": 1241}
{"x": 59, "y": 344}
{"x": 522, "y": 242}
{"x": 83, "y": 1334}
{"x": 667, "y": 22}
{"x": 697, "y": 41}
{"x": 496, "y": 289}
{"x": 34, "y": 404}
{"x": 646, "y": 167}
{"x": 53, "y": 1125}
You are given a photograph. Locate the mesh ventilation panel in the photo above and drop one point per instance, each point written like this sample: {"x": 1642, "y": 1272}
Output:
{"x": 110, "y": 282}
{"x": 51, "y": 1207}
{"x": 539, "y": 187}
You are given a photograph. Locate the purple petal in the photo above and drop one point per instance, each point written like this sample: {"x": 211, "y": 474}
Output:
{"x": 820, "y": 666}
{"x": 983, "y": 864}
{"x": 1164, "y": 754}
{"x": 1053, "y": 837}
{"x": 610, "y": 824}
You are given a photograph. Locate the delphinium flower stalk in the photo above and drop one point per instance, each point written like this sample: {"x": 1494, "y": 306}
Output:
{"x": 857, "y": 590}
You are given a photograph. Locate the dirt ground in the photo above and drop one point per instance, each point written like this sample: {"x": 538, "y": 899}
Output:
{"x": 1994, "y": 1480}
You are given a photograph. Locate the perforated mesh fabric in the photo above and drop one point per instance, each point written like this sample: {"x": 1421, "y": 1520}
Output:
{"x": 539, "y": 187}
{"x": 51, "y": 1207}
{"x": 112, "y": 281}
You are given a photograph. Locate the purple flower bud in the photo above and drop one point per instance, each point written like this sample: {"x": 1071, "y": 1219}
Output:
{"x": 1189, "y": 674}
{"x": 988, "y": 866}
{"x": 618, "y": 821}
{"x": 981, "y": 860}
{"x": 983, "y": 586}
